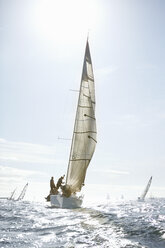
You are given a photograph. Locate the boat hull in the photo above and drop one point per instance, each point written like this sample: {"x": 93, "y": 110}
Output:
{"x": 60, "y": 201}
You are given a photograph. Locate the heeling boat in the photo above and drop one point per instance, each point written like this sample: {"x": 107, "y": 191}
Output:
{"x": 23, "y": 192}
{"x": 142, "y": 197}
{"x": 9, "y": 198}
{"x": 20, "y": 197}
{"x": 83, "y": 140}
{"x": 12, "y": 195}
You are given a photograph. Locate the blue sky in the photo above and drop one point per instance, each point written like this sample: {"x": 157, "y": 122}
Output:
{"x": 42, "y": 46}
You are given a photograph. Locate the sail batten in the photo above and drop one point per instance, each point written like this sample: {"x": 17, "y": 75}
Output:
{"x": 83, "y": 145}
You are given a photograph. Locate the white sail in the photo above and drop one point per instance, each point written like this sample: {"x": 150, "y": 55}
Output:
{"x": 12, "y": 195}
{"x": 21, "y": 196}
{"x": 146, "y": 189}
{"x": 84, "y": 134}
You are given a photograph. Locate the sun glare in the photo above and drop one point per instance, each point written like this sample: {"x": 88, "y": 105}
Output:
{"x": 63, "y": 20}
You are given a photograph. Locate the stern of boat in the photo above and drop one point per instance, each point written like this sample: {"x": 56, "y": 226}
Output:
{"x": 71, "y": 202}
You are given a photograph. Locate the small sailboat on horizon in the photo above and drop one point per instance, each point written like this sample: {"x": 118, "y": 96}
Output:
{"x": 142, "y": 197}
{"x": 22, "y": 194}
{"x": 11, "y": 196}
{"x": 20, "y": 197}
{"x": 83, "y": 141}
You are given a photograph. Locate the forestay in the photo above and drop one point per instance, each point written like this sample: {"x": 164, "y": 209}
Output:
{"x": 84, "y": 134}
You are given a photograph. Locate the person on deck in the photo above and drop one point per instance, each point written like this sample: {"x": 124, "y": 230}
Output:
{"x": 53, "y": 189}
{"x": 52, "y": 184}
{"x": 59, "y": 183}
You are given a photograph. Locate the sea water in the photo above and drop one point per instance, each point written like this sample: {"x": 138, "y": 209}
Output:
{"x": 130, "y": 224}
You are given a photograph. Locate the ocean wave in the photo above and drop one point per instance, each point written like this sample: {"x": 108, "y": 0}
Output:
{"x": 116, "y": 225}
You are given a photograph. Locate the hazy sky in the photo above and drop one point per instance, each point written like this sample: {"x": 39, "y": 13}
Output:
{"x": 42, "y": 46}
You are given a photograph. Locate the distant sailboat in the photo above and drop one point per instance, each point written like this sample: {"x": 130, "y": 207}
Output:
{"x": 83, "y": 140}
{"x": 12, "y": 195}
{"x": 9, "y": 198}
{"x": 20, "y": 197}
{"x": 142, "y": 197}
{"x": 23, "y": 192}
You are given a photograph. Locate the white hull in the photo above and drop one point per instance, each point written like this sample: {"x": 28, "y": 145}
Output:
{"x": 60, "y": 201}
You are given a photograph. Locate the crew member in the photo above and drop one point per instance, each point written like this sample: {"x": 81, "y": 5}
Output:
{"x": 52, "y": 185}
{"x": 59, "y": 183}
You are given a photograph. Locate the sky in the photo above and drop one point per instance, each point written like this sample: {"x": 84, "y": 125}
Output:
{"x": 42, "y": 44}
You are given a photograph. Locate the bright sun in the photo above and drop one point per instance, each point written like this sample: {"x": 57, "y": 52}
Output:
{"x": 63, "y": 20}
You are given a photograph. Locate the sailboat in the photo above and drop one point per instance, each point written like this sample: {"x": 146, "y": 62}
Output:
{"x": 12, "y": 195}
{"x": 83, "y": 140}
{"x": 142, "y": 197}
{"x": 20, "y": 197}
{"x": 23, "y": 192}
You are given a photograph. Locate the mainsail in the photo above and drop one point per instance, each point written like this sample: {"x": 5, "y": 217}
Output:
{"x": 146, "y": 189}
{"x": 21, "y": 196}
{"x": 12, "y": 195}
{"x": 84, "y": 134}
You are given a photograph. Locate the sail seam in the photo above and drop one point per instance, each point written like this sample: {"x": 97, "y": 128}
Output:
{"x": 87, "y": 78}
{"x": 90, "y": 78}
{"x": 86, "y": 96}
{"x": 84, "y": 106}
{"x": 85, "y": 87}
{"x": 79, "y": 159}
{"x": 85, "y": 132}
